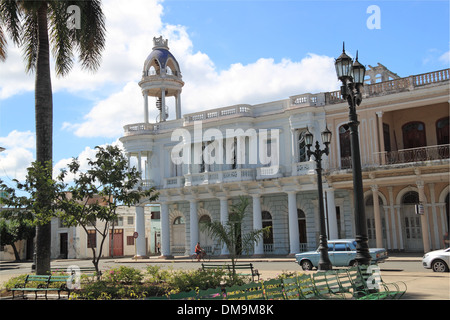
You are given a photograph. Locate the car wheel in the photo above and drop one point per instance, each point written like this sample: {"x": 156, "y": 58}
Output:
{"x": 306, "y": 265}
{"x": 353, "y": 263}
{"x": 439, "y": 266}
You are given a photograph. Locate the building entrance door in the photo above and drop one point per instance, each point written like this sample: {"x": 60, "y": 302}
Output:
{"x": 412, "y": 229}
{"x": 63, "y": 250}
{"x": 116, "y": 245}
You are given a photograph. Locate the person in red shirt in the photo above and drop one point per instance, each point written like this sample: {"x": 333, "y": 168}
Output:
{"x": 199, "y": 251}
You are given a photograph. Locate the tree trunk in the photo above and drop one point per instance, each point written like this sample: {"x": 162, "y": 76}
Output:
{"x": 16, "y": 253}
{"x": 44, "y": 132}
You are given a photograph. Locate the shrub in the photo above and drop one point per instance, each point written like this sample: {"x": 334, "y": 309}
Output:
{"x": 157, "y": 275}
{"x": 123, "y": 275}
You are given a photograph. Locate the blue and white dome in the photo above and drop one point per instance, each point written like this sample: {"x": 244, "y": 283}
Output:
{"x": 161, "y": 61}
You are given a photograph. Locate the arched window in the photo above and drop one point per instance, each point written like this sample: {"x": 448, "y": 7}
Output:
{"x": 411, "y": 197}
{"x": 442, "y": 131}
{"x": 178, "y": 220}
{"x": 414, "y": 135}
{"x": 346, "y": 151}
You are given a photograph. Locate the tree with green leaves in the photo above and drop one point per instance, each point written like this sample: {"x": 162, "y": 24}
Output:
{"x": 38, "y": 27}
{"x": 96, "y": 194}
{"x": 23, "y": 204}
{"x": 230, "y": 234}
{"x": 15, "y": 228}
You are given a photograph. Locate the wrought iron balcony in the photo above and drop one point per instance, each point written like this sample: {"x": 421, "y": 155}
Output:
{"x": 421, "y": 154}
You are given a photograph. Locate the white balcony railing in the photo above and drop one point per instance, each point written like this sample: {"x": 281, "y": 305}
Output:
{"x": 235, "y": 175}
{"x": 232, "y": 111}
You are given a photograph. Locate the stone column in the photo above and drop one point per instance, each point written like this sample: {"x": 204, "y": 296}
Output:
{"x": 139, "y": 227}
{"x": 223, "y": 221}
{"x": 178, "y": 105}
{"x": 397, "y": 213}
{"x": 294, "y": 242}
{"x": 165, "y": 231}
{"x": 424, "y": 217}
{"x": 163, "y": 105}
{"x": 434, "y": 223}
{"x": 193, "y": 220}
{"x": 257, "y": 223}
{"x": 394, "y": 239}
{"x": 377, "y": 216}
{"x": 145, "y": 93}
{"x": 332, "y": 219}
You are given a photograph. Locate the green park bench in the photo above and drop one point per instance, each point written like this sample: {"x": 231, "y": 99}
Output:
{"x": 42, "y": 283}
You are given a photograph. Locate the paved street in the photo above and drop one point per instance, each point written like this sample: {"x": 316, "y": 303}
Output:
{"x": 422, "y": 284}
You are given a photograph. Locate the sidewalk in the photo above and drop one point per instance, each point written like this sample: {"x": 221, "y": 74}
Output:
{"x": 422, "y": 285}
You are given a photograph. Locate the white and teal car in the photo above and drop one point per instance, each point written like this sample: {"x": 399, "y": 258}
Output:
{"x": 342, "y": 253}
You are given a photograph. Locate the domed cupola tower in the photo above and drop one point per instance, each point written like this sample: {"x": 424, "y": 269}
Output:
{"x": 161, "y": 78}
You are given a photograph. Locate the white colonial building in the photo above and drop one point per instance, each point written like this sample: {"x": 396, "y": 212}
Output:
{"x": 202, "y": 162}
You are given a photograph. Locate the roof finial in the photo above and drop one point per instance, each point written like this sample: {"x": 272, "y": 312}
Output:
{"x": 356, "y": 55}
{"x": 343, "y": 46}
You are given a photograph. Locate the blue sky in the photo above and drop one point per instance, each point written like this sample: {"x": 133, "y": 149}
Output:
{"x": 229, "y": 52}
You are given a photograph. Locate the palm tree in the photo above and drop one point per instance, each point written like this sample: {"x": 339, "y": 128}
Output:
{"x": 37, "y": 27}
{"x": 230, "y": 233}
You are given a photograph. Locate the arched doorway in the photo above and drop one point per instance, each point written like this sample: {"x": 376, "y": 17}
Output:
{"x": 302, "y": 230}
{"x": 178, "y": 235}
{"x": 268, "y": 240}
{"x": 412, "y": 229}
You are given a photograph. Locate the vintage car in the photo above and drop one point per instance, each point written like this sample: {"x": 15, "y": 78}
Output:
{"x": 341, "y": 252}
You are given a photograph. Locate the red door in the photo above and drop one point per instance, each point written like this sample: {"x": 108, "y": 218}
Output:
{"x": 116, "y": 247}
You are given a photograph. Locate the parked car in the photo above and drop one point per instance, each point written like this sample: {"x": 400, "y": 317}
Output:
{"x": 438, "y": 260}
{"x": 342, "y": 253}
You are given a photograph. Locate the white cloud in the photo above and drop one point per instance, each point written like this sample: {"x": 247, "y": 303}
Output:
{"x": 83, "y": 158}
{"x": 18, "y": 154}
{"x": 107, "y": 118}
{"x": 130, "y": 35}
{"x": 445, "y": 58}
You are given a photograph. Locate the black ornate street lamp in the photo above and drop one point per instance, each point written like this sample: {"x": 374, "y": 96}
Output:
{"x": 324, "y": 260}
{"x": 351, "y": 74}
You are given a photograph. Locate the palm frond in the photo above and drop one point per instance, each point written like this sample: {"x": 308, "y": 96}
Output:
{"x": 30, "y": 41}
{"x": 60, "y": 37}
{"x": 91, "y": 36}
{"x": 3, "y": 44}
{"x": 10, "y": 14}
